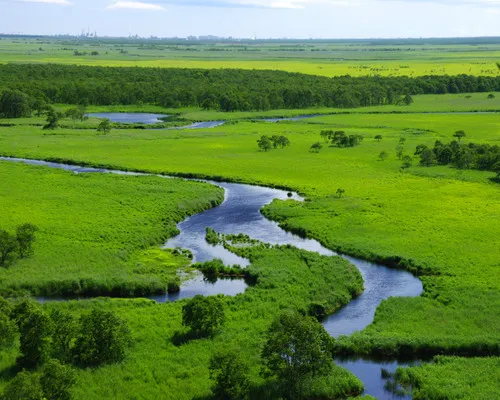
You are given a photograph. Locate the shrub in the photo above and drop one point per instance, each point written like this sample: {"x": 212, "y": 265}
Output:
{"x": 204, "y": 315}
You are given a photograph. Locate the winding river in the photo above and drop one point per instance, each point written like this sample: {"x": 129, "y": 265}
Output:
{"x": 240, "y": 213}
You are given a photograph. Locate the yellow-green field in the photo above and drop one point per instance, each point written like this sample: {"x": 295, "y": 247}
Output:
{"x": 328, "y": 59}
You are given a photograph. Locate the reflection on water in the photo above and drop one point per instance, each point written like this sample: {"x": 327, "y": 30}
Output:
{"x": 130, "y": 118}
{"x": 198, "y": 285}
{"x": 370, "y": 373}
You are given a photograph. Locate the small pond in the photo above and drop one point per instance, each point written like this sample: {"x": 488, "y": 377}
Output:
{"x": 130, "y": 118}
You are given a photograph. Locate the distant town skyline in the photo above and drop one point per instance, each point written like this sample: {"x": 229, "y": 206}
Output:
{"x": 254, "y": 18}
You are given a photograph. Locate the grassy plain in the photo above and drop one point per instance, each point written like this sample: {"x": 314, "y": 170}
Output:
{"x": 440, "y": 220}
{"x": 453, "y": 377}
{"x": 158, "y": 366}
{"x": 358, "y": 58}
{"x": 98, "y": 234}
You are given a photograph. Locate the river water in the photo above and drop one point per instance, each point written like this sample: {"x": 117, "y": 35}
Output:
{"x": 240, "y": 213}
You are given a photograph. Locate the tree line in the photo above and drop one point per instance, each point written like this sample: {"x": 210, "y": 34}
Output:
{"x": 482, "y": 157}
{"x": 218, "y": 89}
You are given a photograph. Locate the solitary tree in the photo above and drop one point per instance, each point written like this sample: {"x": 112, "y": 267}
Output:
{"x": 378, "y": 138}
{"x": 204, "y": 315}
{"x": 52, "y": 119}
{"x": 316, "y": 147}
{"x": 296, "y": 348}
{"x": 104, "y": 127}
{"x": 25, "y": 235}
{"x": 402, "y": 140}
{"x": 399, "y": 151}
{"x": 383, "y": 155}
{"x": 459, "y": 135}
{"x": 229, "y": 375}
{"x": 340, "y": 192}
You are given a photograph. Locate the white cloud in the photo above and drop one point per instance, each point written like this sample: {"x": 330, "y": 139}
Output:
{"x": 58, "y": 2}
{"x": 134, "y": 5}
{"x": 291, "y": 4}
{"x": 301, "y": 4}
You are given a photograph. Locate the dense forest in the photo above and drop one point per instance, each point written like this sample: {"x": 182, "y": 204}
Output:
{"x": 223, "y": 89}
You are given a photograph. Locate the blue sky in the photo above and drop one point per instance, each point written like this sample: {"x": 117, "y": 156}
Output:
{"x": 262, "y": 18}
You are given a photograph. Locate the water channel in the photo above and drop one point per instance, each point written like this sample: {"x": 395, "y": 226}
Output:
{"x": 240, "y": 213}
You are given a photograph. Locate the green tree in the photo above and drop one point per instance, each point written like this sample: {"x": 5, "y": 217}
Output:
{"x": 378, "y": 138}
{"x": 463, "y": 158}
{"x": 459, "y": 135}
{"x": 420, "y": 149}
{"x": 229, "y": 375}
{"x": 400, "y": 151}
{"x": 496, "y": 169}
{"x": 25, "y": 386}
{"x": 76, "y": 113}
{"x": 296, "y": 348}
{"x": 402, "y": 140}
{"x": 102, "y": 338}
{"x": 15, "y": 104}
{"x": 56, "y": 380}
{"x": 383, "y": 155}
{"x": 326, "y": 135}
{"x": 25, "y": 236}
{"x": 65, "y": 331}
{"x": 52, "y": 119}
{"x": 35, "y": 329}
{"x": 8, "y": 248}
{"x": 8, "y": 330}
{"x": 204, "y": 315}
{"x": 104, "y": 127}
{"x": 265, "y": 143}
{"x": 407, "y": 100}
{"x": 283, "y": 142}
{"x": 407, "y": 162}
{"x": 428, "y": 158}
{"x": 340, "y": 192}
{"x": 316, "y": 147}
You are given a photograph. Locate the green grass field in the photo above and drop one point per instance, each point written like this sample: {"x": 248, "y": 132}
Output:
{"x": 156, "y": 367}
{"x": 440, "y": 218}
{"x": 316, "y": 58}
{"x": 98, "y": 234}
